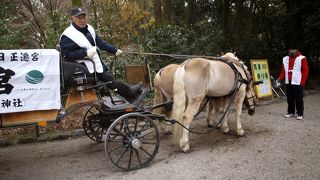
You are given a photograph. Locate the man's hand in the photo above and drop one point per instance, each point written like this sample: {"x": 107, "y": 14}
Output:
{"x": 91, "y": 52}
{"x": 118, "y": 52}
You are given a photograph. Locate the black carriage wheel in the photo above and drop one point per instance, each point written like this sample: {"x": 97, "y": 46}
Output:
{"x": 92, "y": 124}
{"x": 133, "y": 141}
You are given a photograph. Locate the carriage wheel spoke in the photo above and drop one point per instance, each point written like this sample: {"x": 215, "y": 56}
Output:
{"x": 135, "y": 125}
{"x": 115, "y": 140}
{"x": 121, "y": 156}
{"x": 143, "y": 127}
{"x": 127, "y": 126}
{"x": 147, "y": 142}
{"x": 114, "y": 135}
{"x": 145, "y": 151}
{"x": 129, "y": 163}
{"x": 117, "y": 149}
{"x": 120, "y": 132}
{"x": 98, "y": 129}
{"x": 90, "y": 112}
{"x": 95, "y": 125}
{"x": 137, "y": 154}
{"x": 146, "y": 134}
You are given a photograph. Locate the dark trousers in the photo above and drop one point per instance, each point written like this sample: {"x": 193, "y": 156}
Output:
{"x": 123, "y": 89}
{"x": 295, "y": 99}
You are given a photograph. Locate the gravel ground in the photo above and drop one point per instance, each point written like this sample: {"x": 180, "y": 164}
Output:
{"x": 274, "y": 147}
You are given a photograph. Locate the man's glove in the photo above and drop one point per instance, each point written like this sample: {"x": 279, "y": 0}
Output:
{"x": 278, "y": 83}
{"x": 91, "y": 52}
{"x": 118, "y": 52}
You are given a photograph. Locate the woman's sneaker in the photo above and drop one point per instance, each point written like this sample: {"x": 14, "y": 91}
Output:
{"x": 288, "y": 115}
{"x": 299, "y": 117}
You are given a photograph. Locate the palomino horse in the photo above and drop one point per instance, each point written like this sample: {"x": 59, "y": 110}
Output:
{"x": 163, "y": 92}
{"x": 199, "y": 78}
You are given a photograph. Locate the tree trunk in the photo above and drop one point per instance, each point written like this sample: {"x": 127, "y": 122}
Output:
{"x": 236, "y": 30}
{"x": 191, "y": 16}
{"x": 95, "y": 16}
{"x": 167, "y": 11}
{"x": 226, "y": 23}
{"x": 158, "y": 12}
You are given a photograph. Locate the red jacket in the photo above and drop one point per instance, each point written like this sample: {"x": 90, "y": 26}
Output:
{"x": 304, "y": 70}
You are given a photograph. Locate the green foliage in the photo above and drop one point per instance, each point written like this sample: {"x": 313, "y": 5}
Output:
{"x": 59, "y": 21}
{"x": 200, "y": 39}
{"x": 167, "y": 39}
{"x": 9, "y": 37}
{"x": 122, "y": 22}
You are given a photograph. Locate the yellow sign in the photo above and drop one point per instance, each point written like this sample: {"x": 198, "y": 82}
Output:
{"x": 260, "y": 72}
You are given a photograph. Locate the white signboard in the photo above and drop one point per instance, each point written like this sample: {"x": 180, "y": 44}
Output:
{"x": 29, "y": 80}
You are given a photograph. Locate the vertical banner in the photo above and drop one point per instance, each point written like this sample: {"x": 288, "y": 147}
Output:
{"x": 260, "y": 72}
{"x": 29, "y": 80}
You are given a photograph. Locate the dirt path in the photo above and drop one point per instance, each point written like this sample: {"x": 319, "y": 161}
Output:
{"x": 273, "y": 148}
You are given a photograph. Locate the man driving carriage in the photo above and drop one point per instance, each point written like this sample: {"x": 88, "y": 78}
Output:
{"x": 80, "y": 41}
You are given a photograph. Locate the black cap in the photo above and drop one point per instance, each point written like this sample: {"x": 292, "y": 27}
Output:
{"x": 78, "y": 11}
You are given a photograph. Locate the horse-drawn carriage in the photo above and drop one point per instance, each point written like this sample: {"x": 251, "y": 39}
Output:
{"x": 128, "y": 130}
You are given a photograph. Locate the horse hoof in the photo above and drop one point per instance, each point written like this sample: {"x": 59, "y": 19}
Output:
{"x": 225, "y": 130}
{"x": 211, "y": 126}
{"x": 240, "y": 132}
{"x": 185, "y": 148}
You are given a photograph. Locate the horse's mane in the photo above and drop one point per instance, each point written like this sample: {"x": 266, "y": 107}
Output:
{"x": 233, "y": 58}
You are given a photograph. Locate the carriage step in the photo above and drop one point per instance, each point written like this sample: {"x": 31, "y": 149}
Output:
{"x": 120, "y": 103}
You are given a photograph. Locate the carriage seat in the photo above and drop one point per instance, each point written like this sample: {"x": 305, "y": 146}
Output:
{"x": 69, "y": 68}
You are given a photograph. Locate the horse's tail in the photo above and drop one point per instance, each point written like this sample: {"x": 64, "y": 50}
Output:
{"x": 158, "y": 97}
{"x": 179, "y": 104}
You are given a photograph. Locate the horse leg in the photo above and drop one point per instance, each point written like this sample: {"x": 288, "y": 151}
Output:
{"x": 238, "y": 103}
{"x": 191, "y": 110}
{"x": 158, "y": 99}
{"x": 224, "y": 103}
{"x": 210, "y": 118}
{"x": 225, "y": 126}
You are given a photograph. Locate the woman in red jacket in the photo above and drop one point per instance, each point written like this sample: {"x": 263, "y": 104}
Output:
{"x": 295, "y": 73}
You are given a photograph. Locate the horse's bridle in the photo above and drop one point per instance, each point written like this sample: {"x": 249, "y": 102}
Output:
{"x": 247, "y": 82}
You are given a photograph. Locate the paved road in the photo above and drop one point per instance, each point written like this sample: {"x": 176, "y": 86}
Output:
{"x": 273, "y": 148}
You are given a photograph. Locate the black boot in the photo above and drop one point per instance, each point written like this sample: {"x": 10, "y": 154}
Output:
{"x": 128, "y": 92}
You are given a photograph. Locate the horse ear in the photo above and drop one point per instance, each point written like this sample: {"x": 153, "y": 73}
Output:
{"x": 235, "y": 53}
{"x": 221, "y": 53}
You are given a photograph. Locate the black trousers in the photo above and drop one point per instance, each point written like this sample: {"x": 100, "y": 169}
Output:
{"x": 123, "y": 89}
{"x": 295, "y": 99}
